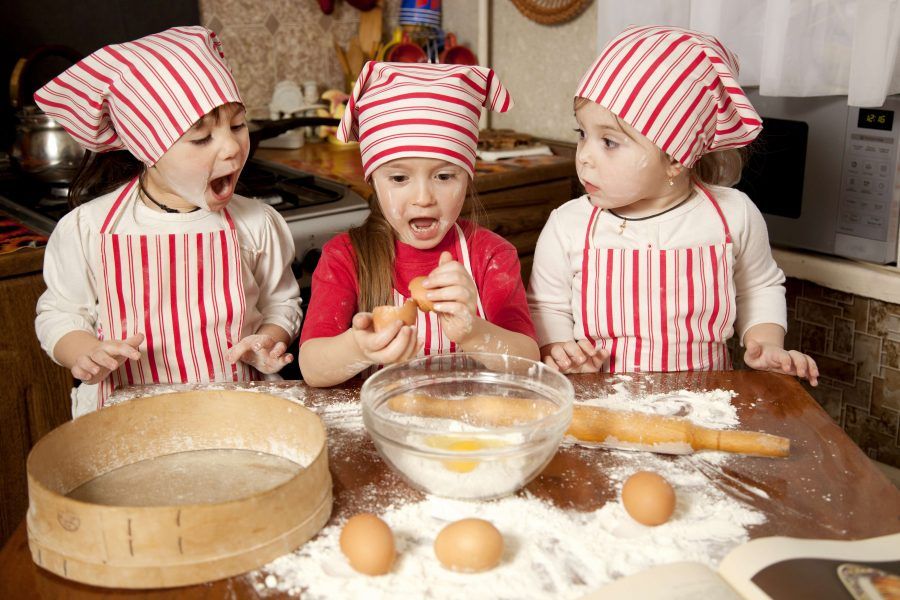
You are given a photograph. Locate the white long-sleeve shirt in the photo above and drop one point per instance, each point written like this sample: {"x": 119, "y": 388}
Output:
{"x": 758, "y": 280}
{"x": 72, "y": 263}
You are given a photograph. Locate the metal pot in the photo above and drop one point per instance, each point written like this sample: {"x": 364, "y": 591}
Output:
{"x": 42, "y": 148}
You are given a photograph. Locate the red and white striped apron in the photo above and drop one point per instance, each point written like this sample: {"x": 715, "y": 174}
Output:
{"x": 428, "y": 325}
{"x": 657, "y": 310}
{"x": 184, "y": 292}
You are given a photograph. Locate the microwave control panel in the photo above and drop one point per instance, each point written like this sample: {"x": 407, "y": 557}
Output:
{"x": 867, "y": 222}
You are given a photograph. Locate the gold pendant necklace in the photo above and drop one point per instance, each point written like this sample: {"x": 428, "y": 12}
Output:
{"x": 625, "y": 220}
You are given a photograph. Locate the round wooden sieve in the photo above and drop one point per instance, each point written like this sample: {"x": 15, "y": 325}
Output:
{"x": 179, "y": 543}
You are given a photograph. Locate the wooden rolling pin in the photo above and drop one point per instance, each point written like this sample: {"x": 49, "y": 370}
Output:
{"x": 617, "y": 429}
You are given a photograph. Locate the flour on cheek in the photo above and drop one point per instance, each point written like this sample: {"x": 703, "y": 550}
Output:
{"x": 190, "y": 185}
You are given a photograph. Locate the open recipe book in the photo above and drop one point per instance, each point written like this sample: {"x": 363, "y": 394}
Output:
{"x": 775, "y": 567}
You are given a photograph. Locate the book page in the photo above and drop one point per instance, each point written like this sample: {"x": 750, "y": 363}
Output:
{"x": 784, "y": 567}
{"x": 676, "y": 581}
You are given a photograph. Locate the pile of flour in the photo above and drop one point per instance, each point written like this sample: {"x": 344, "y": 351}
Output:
{"x": 550, "y": 552}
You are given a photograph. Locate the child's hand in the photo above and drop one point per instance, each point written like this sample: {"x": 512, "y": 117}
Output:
{"x": 772, "y": 357}
{"x": 395, "y": 343}
{"x": 103, "y": 359}
{"x": 261, "y": 352}
{"x": 455, "y": 297}
{"x": 574, "y": 357}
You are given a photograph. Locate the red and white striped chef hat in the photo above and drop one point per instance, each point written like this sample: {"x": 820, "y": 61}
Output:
{"x": 141, "y": 95}
{"x": 420, "y": 110}
{"x": 675, "y": 86}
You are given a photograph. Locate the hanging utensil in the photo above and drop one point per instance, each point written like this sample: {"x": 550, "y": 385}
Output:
{"x": 370, "y": 31}
{"x": 342, "y": 58}
{"x": 355, "y": 57}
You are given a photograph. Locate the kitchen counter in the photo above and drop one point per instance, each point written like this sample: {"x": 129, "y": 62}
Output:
{"x": 21, "y": 248}
{"x": 827, "y": 488}
{"x": 842, "y": 274}
{"x": 343, "y": 163}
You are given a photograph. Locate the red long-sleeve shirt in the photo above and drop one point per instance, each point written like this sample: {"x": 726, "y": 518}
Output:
{"x": 495, "y": 269}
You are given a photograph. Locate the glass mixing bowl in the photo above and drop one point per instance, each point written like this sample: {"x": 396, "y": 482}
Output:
{"x": 467, "y": 425}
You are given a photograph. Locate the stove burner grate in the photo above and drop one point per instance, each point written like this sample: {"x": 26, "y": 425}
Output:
{"x": 284, "y": 192}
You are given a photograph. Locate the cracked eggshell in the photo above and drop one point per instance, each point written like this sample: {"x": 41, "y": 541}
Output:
{"x": 383, "y": 316}
{"x": 418, "y": 293}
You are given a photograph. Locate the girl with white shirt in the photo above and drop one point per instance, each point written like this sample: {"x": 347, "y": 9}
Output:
{"x": 659, "y": 264}
{"x": 165, "y": 276}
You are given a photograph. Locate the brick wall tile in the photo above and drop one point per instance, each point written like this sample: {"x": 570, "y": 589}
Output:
{"x": 836, "y": 296}
{"x": 813, "y": 338}
{"x": 860, "y": 395}
{"x": 840, "y": 371}
{"x": 842, "y": 338}
{"x": 890, "y": 391}
{"x": 867, "y": 355}
{"x": 880, "y": 317}
{"x": 813, "y": 290}
{"x": 859, "y": 312}
{"x": 817, "y": 313}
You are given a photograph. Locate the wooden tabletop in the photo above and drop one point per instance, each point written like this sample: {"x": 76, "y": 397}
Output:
{"x": 826, "y": 489}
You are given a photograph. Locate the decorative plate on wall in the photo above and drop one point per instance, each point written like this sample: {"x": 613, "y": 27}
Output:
{"x": 551, "y": 12}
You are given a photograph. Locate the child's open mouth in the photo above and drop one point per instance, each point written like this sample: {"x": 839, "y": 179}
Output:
{"x": 423, "y": 228}
{"x": 223, "y": 187}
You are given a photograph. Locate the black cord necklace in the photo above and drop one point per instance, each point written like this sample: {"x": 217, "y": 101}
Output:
{"x": 625, "y": 220}
{"x": 168, "y": 209}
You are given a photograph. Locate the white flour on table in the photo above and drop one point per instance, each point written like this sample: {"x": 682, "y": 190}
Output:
{"x": 710, "y": 408}
{"x": 550, "y": 552}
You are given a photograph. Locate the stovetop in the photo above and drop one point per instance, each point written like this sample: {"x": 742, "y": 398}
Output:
{"x": 294, "y": 194}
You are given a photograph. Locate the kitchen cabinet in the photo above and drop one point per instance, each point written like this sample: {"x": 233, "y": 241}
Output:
{"x": 34, "y": 397}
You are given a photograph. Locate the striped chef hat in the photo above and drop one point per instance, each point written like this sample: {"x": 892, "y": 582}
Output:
{"x": 420, "y": 110}
{"x": 141, "y": 95}
{"x": 676, "y": 87}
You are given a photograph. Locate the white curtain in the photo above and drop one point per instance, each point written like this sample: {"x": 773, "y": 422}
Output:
{"x": 786, "y": 47}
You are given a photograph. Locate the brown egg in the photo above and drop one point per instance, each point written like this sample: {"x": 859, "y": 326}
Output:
{"x": 383, "y": 316}
{"x": 418, "y": 294}
{"x": 368, "y": 544}
{"x": 469, "y": 546}
{"x": 648, "y": 498}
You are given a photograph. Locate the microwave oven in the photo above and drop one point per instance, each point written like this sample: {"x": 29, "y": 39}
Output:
{"x": 825, "y": 175}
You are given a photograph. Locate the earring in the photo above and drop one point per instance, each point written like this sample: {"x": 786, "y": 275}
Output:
{"x": 671, "y": 182}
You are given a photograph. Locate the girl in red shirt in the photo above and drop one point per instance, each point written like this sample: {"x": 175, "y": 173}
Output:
{"x": 417, "y": 125}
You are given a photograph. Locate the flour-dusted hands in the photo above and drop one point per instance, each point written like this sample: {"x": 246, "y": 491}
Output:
{"x": 772, "y": 357}
{"x": 106, "y": 357}
{"x": 455, "y": 297}
{"x": 395, "y": 343}
{"x": 574, "y": 357}
{"x": 260, "y": 351}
